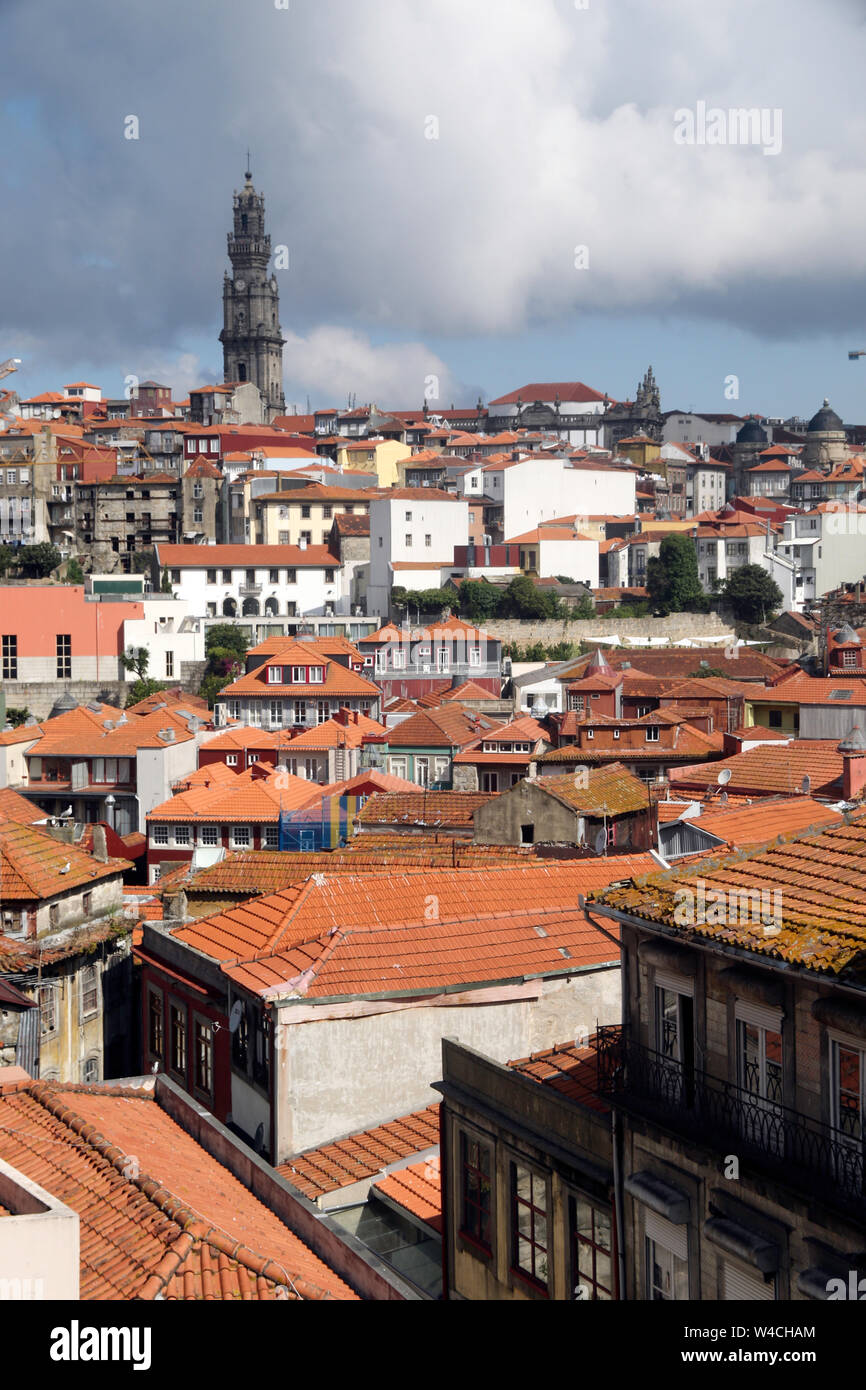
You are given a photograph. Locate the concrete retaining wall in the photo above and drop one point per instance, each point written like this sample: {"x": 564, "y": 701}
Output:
{"x": 525, "y": 631}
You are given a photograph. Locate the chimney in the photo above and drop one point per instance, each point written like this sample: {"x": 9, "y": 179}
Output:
{"x": 167, "y": 735}
{"x": 853, "y": 750}
{"x": 100, "y": 844}
{"x": 302, "y": 544}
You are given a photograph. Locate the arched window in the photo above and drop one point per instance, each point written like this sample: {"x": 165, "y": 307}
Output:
{"x": 242, "y": 371}
{"x": 272, "y": 607}
{"x": 230, "y": 608}
{"x": 251, "y": 608}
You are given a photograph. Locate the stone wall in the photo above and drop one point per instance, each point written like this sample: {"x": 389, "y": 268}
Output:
{"x": 525, "y": 631}
{"x": 40, "y": 697}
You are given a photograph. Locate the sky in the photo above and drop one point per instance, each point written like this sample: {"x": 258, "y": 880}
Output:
{"x": 472, "y": 194}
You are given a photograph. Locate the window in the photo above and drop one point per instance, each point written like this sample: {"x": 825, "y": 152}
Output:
{"x": 592, "y": 1268}
{"x": 182, "y": 835}
{"x": 329, "y": 576}
{"x": 305, "y": 510}
{"x": 177, "y": 1038}
{"x": 211, "y": 576}
{"x": 231, "y": 759}
{"x": 169, "y": 664}
{"x": 847, "y": 1086}
{"x": 849, "y": 658}
{"x": 774, "y": 719}
{"x": 652, "y": 733}
{"x": 274, "y": 576}
{"x": 428, "y": 540}
{"x": 759, "y": 1073}
{"x": 89, "y": 991}
{"x": 474, "y": 656}
{"x": 53, "y": 915}
{"x": 276, "y": 713}
{"x": 261, "y": 1049}
{"x": 198, "y": 490}
{"x": 86, "y": 903}
{"x": 408, "y": 541}
{"x": 299, "y": 712}
{"x": 227, "y": 576}
{"x": 327, "y": 513}
{"x": 155, "y": 1039}
{"x": 48, "y": 1002}
{"x": 408, "y": 516}
{"x": 283, "y": 537}
{"x": 527, "y": 834}
{"x": 529, "y": 1223}
{"x": 667, "y": 1268}
{"x": 10, "y": 657}
{"x": 275, "y": 675}
{"x": 476, "y": 1190}
{"x": 675, "y": 1035}
{"x": 203, "y": 1054}
{"x": 159, "y": 834}
{"x": 272, "y": 837}
{"x": 241, "y": 836}
{"x": 210, "y": 834}
{"x": 90, "y": 1071}
{"x": 64, "y": 656}
{"x": 316, "y": 675}
{"x": 175, "y": 576}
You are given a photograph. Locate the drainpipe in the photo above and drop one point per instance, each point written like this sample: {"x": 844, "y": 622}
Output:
{"x": 619, "y": 1217}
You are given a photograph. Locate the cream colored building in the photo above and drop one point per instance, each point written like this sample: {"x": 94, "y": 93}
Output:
{"x": 306, "y": 514}
{"x": 379, "y": 456}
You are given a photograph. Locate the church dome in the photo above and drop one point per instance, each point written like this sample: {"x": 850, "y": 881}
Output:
{"x": 825, "y": 420}
{"x": 751, "y": 432}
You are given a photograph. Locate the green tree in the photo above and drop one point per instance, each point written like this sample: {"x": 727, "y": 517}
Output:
{"x": 478, "y": 600}
{"x": 136, "y": 659}
{"x": 584, "y": 608}
{"x": 74, "y": 572}
{"x": 165, "y": 583}
{"x": 752, "y": 593}
{"x": 672, "y": 576}
{"x": 225, "y": 647}
{"x": 523, "y": 600}
{"x": 141, "y": 688}
{"x": 7, "y": 558}
{"x": 17, "y": 716}
{"x": 37, "y": 561}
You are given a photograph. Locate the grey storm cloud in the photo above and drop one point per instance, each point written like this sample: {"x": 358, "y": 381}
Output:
{"x": 452, "y": 168}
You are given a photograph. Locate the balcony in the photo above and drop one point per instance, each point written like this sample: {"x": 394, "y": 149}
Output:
{"x": 249, "y": 590}
{"x": 786, "y": 1144}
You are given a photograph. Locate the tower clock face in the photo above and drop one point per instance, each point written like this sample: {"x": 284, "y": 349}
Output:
{"x": 240, "y": 285}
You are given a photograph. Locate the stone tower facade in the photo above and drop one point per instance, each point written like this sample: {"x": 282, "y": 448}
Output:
{"x": 251, "y": 337}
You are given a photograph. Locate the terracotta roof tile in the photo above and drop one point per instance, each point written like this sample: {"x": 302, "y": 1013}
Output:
{"x": 181, "y": 1227}
{"x": 34, "y": 866}
{"x": 455, "y": 809}
{"x": 569, "y": 1068}
{"x": 362, "y": 1155}
{"x": 417, "y": 1189}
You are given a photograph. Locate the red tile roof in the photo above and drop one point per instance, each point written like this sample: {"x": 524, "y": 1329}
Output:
{"x": 771, "y": 769}
{"x": 817, "y": 921}
{"x": 250, "y": 799}
{"x": 338, "y": 683}
{"x": 569, "y": 1068}
{"x": 363, "y": 1155}
{"x": 18, "y": 808}
{"x": 417, "y": 1189}
{"x": 175, "y": 1224}
{"x": 759, "y": 824}
{"x": 245, "y": 556}
{"x": 34, "y": 866}
{"x": 298, "y": 942}
{"x": 548, "y": 391}
{"x": 452, "y": 809}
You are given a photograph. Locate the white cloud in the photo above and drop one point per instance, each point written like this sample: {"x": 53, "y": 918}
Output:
{"x": 332, "y": 361}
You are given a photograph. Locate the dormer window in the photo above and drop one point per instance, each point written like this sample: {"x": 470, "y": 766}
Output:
{"x": 275, "y": 675}
{"x": 299, "y": 675}
{"x": 317, "y": 675}
{"x": 652, "y": 733}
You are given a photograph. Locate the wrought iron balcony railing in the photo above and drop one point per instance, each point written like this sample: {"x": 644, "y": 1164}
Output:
{"x": 719, "y": 1113}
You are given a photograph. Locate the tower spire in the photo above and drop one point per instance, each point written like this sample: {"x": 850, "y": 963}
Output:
{"x": 251, "y": 337}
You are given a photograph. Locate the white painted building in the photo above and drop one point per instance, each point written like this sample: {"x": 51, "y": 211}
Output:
{"x": 417, "y": 527}
{"x": 533, "y": 490}
{"x": 254, "y": 580}
{"x": 171, "y": 635}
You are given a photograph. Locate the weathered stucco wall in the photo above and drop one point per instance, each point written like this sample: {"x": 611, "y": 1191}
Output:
{"x": 343, "y": 1075}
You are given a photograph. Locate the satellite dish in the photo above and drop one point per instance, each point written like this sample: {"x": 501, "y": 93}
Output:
{"x": 601, "y": 842}
{"x": 806, "y": 785}
{"x": 724, "y": 777}
{"x": 723, "y": 798}
{"x": 236, "y": 1015}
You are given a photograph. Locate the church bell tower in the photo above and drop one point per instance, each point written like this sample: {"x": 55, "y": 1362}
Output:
{"x": 251, "y": 337}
